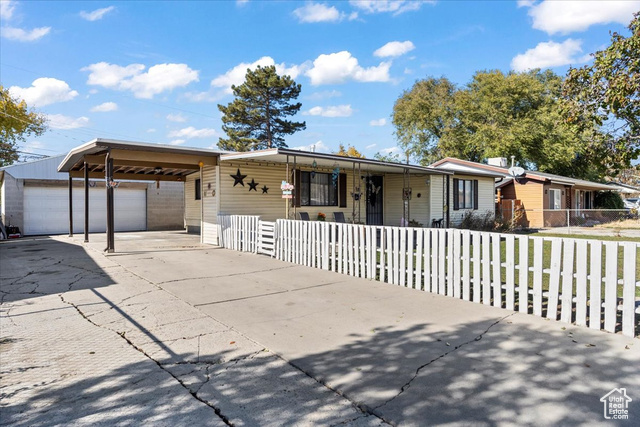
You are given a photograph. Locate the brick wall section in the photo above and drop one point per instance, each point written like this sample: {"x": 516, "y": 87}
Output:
{"x": 165, "y": 206}
{"x": 12, "y": 201}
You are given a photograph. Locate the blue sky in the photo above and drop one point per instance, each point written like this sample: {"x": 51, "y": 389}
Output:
{"x": 155, "y": 71}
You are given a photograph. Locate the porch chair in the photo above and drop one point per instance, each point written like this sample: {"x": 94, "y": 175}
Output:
{"x": 339, "y": 217}
{"x": 304, "y": 216}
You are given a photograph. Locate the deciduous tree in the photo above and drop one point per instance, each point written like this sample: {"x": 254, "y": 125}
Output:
{"x": 17, "y": 122}
{"x": 607, "y": 94}
{"x": 349, "y": 152}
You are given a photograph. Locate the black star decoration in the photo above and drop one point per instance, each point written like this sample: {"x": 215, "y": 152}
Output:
{"x": 252, "y": 185}
{"x": 238, "y": 178}
{"x": 265, "y": 189}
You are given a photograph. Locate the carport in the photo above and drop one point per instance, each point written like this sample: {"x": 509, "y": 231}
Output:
{"x": 122, "y": 160}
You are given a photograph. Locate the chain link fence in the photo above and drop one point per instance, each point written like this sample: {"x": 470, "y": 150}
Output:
{"x": 587, "y": 218}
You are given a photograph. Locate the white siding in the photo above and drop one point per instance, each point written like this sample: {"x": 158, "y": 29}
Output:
{"x": 394, "y": 205}
{"x": 191, "y": 205}
{"x": 486, "y": 198}
{"x": 239, "y": 200}
{"x": 210, "y": 212}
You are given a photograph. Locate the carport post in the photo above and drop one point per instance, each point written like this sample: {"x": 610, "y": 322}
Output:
{"x": 70, "y": 206}
{"x": 86, "y": 202}
{"x": 108, "y": 171}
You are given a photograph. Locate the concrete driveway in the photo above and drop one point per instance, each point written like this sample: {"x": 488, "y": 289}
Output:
{"x": 167, "y": 331}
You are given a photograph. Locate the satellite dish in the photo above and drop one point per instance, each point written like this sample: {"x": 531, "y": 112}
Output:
{"x": 516, "y": 171}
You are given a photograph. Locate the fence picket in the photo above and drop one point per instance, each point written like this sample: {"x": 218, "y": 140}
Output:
{"x": 442, "y": 259}
{"x": 466, "y": 273}
{"x": 595, "y": 285}
{"x": 566, "y": 308}
{"x": 430, "y": 265}
{"x": 382, "y": 254}
{"x": 486, "y": 269}
{"x": 510, "y": 274}
{"x": 363, "y": 258}
{"x": 497, "y": 270}
{"x": 456, "y": 262}
{"x": 538, "y": 260}
{"x": 477, "y": 278}
{"x": 629, "y": 289}
{"x": 410, "y": 256}
{"x": 419, "y": 283}
{"x": 402, "y": 254}
{"x": 523, "y": 272}
{"x": 610, "y": 286}
{"x": 581, "y": 282}
{"x": 554, "y": 279}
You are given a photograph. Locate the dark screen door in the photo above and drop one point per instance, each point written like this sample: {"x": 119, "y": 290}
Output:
{"x": 374, "y": 200}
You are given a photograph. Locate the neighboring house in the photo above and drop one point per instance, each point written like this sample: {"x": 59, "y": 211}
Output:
{"x": 625, "y": 190}
{"x": 538, "y": 193}
{"x": 35, "y": 198}
{"x": 249, "y": 183}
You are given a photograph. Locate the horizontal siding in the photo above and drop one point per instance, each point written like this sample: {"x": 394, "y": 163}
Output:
{"x": 419, "y": 207}
{"x": 239, "y": 200}
{"x": 486, "y": 199}
{"x": 209, "y": 198}
{"x": 191, "y": 205}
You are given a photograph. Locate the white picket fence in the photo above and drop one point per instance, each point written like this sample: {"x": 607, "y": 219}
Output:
{"x": 587, "y": 282}
{"x": 238, "y": 232}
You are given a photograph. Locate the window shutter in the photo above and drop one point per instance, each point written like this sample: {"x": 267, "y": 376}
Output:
{"x": 296, "y": 190}
{"x": 475, "y": 194}
{"x": 342, "y": 190}
{"x": 456, "y": 200}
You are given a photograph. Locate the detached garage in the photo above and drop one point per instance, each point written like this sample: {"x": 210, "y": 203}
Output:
{"x": 35, "y": 198}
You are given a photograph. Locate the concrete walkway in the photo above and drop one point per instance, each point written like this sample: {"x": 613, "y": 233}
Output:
{"x": 167, "y": 331}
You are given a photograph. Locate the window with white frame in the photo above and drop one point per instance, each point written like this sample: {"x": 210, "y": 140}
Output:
{"x": 555, "y": 199}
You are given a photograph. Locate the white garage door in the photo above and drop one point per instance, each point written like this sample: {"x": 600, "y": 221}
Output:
{"x": 46, "y": 210}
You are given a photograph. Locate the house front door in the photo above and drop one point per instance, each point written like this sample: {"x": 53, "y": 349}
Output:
{"x": 374, "y": 201}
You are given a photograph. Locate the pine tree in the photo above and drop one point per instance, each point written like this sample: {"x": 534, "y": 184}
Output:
{"x": 256, "y": 118}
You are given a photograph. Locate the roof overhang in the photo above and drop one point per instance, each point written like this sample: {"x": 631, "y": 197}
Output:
{"x": 324, "y": 160}
{"x": 137, "y": 160}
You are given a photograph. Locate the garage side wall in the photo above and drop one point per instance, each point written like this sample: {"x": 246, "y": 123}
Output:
{"x": 165, "y": 206}
{"x": 11, "y": 201}
{"x": 209, "y": 197}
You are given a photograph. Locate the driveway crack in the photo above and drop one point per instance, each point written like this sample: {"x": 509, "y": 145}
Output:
{"x": 406, "y": 385}
{"x": 217, "y": 410}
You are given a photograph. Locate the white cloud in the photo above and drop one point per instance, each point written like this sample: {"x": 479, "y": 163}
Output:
{"x": 326, "y": 94}
{"x": 21, "y": 35}
{"x": 318, "y": 12}
{"x": 318, "y": 147}
{"x": 157, "y": 79}
{"x": 371, "y": 146}
{"x": 550, "y": 54}
{"x": 151, "y": 130}
{"x": 191, "y": 132}
{"x": 340, "y": 67}
{"x": 331, "y": 111}
{"x": 177, "y": 118}
{"x": 391, "y": 150}
{"x": 44, "y": 91}
{"x": 570, "y": 16}
{"x": 396, "y": 7}
{"x": 236, "y": 75}
{"x": 32, "y": 146}
{"x": 177, "y": 142}
{"x": 394, "y": 49}
{"x": 59, "y": 121}
{"x": 105, "y": 107}
{"x": 378, "y": 122}
{"x": 96, "y": 14}
{"x": 6, "y": 9}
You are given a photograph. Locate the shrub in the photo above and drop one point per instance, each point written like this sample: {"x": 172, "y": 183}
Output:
{"x": 486, "y": 221}
{"x": 608, "y": 200}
